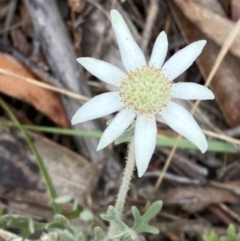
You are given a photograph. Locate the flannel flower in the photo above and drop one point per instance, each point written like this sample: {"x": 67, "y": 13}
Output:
{"x": 145, "y": 92}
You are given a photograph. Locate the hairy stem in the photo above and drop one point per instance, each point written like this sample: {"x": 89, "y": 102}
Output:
{"x": 121, "y": 197}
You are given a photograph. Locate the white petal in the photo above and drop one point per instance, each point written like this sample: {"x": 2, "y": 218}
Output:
{"x": 132, "y": 56}
{"x": 144, "y": 142}
{"x": 180, "y": 120}
{"x": 183, "y": 59}
{"x": 159, "y": 50}
{"x": 98, "y": 106}
{"x": 191, "y": 91}
{"x": 117, "y": 126}
{"x": 103, "y": 70}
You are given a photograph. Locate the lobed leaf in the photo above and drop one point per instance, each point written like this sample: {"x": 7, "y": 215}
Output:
{"x": 141, "y": 222}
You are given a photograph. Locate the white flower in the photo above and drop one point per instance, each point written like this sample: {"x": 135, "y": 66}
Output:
{"x": 145, "y": 91}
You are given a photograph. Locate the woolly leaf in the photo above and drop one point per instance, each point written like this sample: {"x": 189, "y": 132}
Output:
{"x": 4, "y": 220}
{"x": 54, "y": 225}
{"x": 211, "y": 237}
{"x": 31, "y": 226}
{"x": 98, "y": 234}
{"x": 231, "y": 231}
{"x": 80, "y": 237}
{"x": 86, "y": 215}
{"x": 58, "y": 218}
{"x": 65, "y": 236}
{"x": 231, "y": 234}
{"x": 18, "y": 221}
{"x": 63, "y": 199}
{"x": 112, "y": 216}
{"x": 141, "y": 222}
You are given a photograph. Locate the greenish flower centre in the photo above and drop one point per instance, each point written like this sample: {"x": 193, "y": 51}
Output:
{"x": 146, "y": 90}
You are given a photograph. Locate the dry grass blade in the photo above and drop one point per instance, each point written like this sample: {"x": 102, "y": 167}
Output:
{"x": 152, "y": 13}
{"x": 205, "y": 18}
{"x": 222, "y": 137}
{"x": 225, "y": 48}
{"x": 229, "y": 211}
{"x": 44, "y": 85}
{"x": 99, "y": 7}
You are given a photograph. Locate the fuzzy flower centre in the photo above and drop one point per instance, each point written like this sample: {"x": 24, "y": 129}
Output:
{"x": 146, "y": 90}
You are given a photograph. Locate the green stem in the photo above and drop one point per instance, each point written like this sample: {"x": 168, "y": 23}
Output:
{"x": 126, "y": 180}
{"x": 40, "y": 163}
{"x": 163, "y": 141}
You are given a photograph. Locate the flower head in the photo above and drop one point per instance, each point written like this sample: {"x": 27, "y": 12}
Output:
{"x": 145, "y": 91}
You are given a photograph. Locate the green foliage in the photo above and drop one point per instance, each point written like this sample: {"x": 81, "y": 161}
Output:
{"x": 61, "y": 230}
{"x": 123, "y": 230}
{"x": 63, "y": 199}
{"x": 78, "y": 210}
{"x": 98, "y": 234}
{"x": 27, "y": 225}
{"x": 231, "y": 235}
{"x": 112, "y": 216}
{"x": 80, "y": 237}
{"x": 59, "y": 222}
{"x": 141, "y": 222}
{"x": 211, "y": 237}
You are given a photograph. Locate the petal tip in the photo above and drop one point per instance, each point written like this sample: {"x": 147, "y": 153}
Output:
{"x": 77, "y": 118}
{"x": 140, "y": 173}
{"x": 203, "y": 149}
{"x": 83, "y": 60}
{"x": 209, "y": 95}
{"x": 164, "y": 41}
{"x": 80, "y": 60}
{"x": 142, "y": 168}
{"x": 201, "y": 43}
{"x": 212, "y": 96}
{"x": 114, "y": 11}
{"x": 74, "y": 121}
{"x": 99, "y": 147}
{"x": 203, "y": 146}
{"x": 102, "y": 143}
{"x": 114, "y": 14}
{"x": 163, "y": 34}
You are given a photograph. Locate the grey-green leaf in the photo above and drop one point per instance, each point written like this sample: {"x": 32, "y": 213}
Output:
{"x": 61, "y": 219}
{"x": 18, "y": 221}
{"x": 141, "y": 222}
{"x": 211, "y": 237}
{"x": 63, "y": 199}
{"x": 31, "y": 226}
{"x": 86, "y": 215}
{"x": 80, "y": 237}
{"x": 98, "y": 234}
{"x": 126, "y": 135}
{"x": 54, "y": 225}
{"x": 112, "y": 216}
